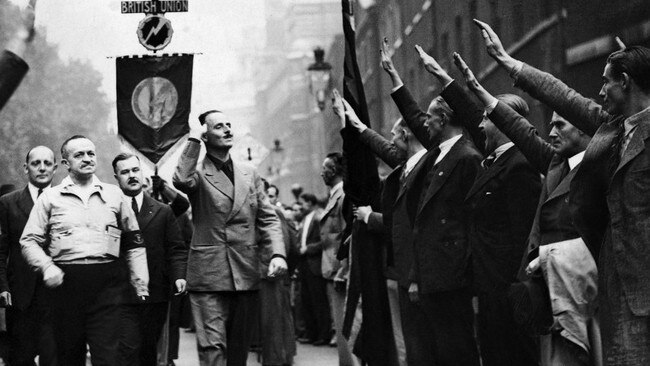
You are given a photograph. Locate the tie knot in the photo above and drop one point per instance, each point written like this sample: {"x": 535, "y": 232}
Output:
{"x": 487, "y": 162}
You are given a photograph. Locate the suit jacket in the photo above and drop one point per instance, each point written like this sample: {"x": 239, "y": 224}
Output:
{"x": 12, "y": 71}
{"x": 392, "y": 222}
{"x": 501, "y": 203}
{"x": 224, "y": 253}
{"x": 441, "y": 250}
{"x": 332, "y": 226}
{"x": 15, "y": 274}
{"x": 313, "y": 255}
{"x": 554, "y": 197}
{"x": 166, "y": 249}
{"x": 608, "y": 196}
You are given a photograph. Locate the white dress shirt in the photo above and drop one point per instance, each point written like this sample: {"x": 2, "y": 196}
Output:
{"x": 445, "y": 146}
{"x": 33, "y": 190}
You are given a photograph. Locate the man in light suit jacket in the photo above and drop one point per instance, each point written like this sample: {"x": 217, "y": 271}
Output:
{"x": 609, "y": 193}
{"x": 142, "y": 322}
{"x": 234, "y": 222}
{"x": 21, "y": 289}
{"x": 332, "y": 226}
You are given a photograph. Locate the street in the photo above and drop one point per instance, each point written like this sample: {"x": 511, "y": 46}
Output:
{"x": 307, "y": 354}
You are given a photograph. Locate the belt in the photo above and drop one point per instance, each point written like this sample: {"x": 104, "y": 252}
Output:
{"x": 86, "y": 261}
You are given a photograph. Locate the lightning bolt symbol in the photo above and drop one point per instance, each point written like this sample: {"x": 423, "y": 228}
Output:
{"x": 154, "y": 31}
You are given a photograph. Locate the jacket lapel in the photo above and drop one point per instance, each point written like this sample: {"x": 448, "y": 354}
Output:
{"x": 217, "y": 178}
{"x": 564, "y": 185}
{"x": 25, "y": 202}
{"x": 410, "y": 179}
{"x": 492, "y": 171}
{"x": 242, "y": 185}
{"x": 441, "y": 172}
{"x": 636, "y": 145}
{"x": 147, "y": 212}
{"x": 331, "y": 203}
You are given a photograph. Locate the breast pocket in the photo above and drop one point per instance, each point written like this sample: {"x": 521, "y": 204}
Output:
{"x": 113, "y": 236}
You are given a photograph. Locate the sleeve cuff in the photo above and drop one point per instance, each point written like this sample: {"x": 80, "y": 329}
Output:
{"x": 396, "y": 88}
{"x": 448, "y": 83}
{"x": 490, "y": 107}
{"x": 277, "y": 255}
{"x": 194, "y": 139}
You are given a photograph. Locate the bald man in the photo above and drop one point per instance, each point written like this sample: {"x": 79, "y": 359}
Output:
{"x": 20, "y": 287}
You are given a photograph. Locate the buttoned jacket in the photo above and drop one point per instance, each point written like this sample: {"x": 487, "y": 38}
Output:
{"x": 225, "y": 252}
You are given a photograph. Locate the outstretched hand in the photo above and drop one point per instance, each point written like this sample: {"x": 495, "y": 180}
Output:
{"x": 29, "y": 17}
{"x": 492, "y": 42}
{"x": 387, "y": 63}
{"x": 432, "y": 66}
{"x": 471, "y": 81}
{"x": 337, "y": 106}
{"x": 386, "y": 60}
{"x": 355, "y": 122}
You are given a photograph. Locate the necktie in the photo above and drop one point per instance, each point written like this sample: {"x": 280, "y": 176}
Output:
{"x": 40, "y": 190}
{"x": 134, "y": 205}
{"x": 487, "y": 163}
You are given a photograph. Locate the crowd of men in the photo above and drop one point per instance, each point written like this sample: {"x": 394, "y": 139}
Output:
{"x": 543, "y": 241}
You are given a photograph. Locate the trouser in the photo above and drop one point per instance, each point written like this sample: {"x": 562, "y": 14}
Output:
{"x": 224, "y": 325}
{"x": 315, "y": 307}
{"x": 337, "y": 308}
{"x": 559, "y": 351}
{"x": 396, "y": 321}
{"x": 175, "y": 309}
{"x": 85, "y": 311}
{"x": 502, "y": 341}
{"x": 141, "y": 327}
{"x": 438, "y": 329}
{"x": 30, "y": 332}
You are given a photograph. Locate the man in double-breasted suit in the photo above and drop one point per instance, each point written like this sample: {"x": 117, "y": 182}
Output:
{"x": 609, "y": 192}
{"x": 234, "y": 223}
{"x": 313, "y": 287}
{"x": 440, "y": 278}
{"x": 142, "y": 322}
{"x": 21, "y": 289}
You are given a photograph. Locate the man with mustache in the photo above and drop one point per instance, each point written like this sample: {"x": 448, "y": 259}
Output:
{"x": 142, "y": 322}
{"x": 235, "y": 225}
{"x": 21, "y": 289}
{"x": 74, "y": 236}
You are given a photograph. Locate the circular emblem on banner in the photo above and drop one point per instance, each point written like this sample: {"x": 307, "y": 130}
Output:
{"x": 155, "y": 32}
{"x": 154, "y": 101}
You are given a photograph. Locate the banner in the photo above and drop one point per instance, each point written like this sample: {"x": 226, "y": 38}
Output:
{"x": 153, "y": 102}
{"x": 372, "y": 339}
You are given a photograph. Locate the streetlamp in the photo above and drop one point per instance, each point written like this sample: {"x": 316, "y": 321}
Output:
{"x": 319, "y": 77}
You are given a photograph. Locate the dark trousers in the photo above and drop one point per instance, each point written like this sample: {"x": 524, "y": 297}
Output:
{"x": 502, "y": 341}
{"x": 315, "y": 306}
{"x": 30, "y": 333}
{"x": 438, "y": 329}
{"x": 224, "y": 325}
{"x": 86, "y": 310}
{"x": 141, "y": 328}
{"x": 175, "y": 309}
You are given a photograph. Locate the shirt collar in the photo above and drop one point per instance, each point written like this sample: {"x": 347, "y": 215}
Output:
{"x": 576, "y": 159}
{"x": 632, "y": 121}
{"x": 33, "y": 190}
{"x": 447, "y": 144}
{"x": 501, "y": 149}
{"x": 219, "y": 164}
{"x": 413, "y": 160}
{"x": 138, "y": 199}
{"x": 67, "y": 181}
{"x": 337, "y": 187}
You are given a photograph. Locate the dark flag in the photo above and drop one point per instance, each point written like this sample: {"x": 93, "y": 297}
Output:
{"x": 153, "y": 102}
{"x": 373, "y": 341}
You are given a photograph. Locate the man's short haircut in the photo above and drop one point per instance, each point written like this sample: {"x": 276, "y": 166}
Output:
{"x": 635, "y": 61}
{"x": 121, "y": 157}
{"x": 309, "y": 197}
{"x": 442, "y": 107}
{"x": 64, "y": 152}
{"x": 205, "y": 114}
{"x": 337, "y": 159}
{"x": 515, "y": 102}
{"x": 32, "y": 149}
